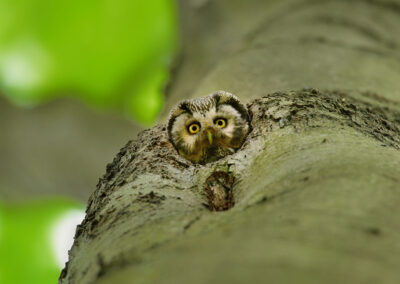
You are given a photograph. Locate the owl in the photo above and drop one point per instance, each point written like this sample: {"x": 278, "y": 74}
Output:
{"x": 206, "y": 129}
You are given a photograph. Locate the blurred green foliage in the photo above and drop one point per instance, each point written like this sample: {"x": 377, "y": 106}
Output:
{"x": 110, "y": 53}
{"x": 27, "y": 255}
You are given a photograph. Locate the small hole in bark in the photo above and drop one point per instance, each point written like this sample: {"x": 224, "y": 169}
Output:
{"x": 219, "y": 190}
{"x": 373, "y": 231}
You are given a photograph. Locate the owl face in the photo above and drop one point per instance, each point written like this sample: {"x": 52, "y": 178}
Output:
{"x": 207, "y": 129}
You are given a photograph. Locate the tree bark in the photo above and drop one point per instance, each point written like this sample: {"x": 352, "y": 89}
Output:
{"x": 317, "y": 183}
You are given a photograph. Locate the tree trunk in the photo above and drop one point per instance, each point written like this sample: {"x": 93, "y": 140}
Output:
{"x": 317, "y": 183}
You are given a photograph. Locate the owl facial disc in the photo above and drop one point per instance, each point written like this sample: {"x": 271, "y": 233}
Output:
{"x": 206, "y": 129}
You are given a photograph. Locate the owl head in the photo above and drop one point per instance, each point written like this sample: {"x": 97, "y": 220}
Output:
{"x": 206, "y": 129}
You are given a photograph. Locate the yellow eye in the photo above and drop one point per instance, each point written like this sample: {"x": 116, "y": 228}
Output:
{"x": 220, "y": 122}
{"x": 194, "y": 128}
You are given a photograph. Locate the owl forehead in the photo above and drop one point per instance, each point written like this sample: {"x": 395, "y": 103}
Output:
{"x": 205, "y": 117}
{"x": 202, "y": 106}
{"x": 205, "y": 110}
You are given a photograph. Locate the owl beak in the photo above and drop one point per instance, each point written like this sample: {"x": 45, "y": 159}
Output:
{"x": 209, "y": 137}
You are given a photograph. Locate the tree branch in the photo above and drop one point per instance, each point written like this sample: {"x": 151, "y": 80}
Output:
{"x": 316, "y": 184}
{"x": 150, "y": 203}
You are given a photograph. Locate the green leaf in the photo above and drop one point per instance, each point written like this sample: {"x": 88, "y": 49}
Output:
{"x": 107, "y": 53}
{"x": 27, "y": 254}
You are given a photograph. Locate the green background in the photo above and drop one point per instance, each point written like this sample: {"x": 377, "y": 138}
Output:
{"x": 112, "y": 55}
{"x": 108, "y": 53}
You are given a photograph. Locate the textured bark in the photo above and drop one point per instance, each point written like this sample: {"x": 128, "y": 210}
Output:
{"x": 315, "y": 187}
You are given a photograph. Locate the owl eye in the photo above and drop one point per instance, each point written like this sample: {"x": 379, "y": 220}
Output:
{"x": 194, "y": 128}
{"x": 220, "y": 122}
